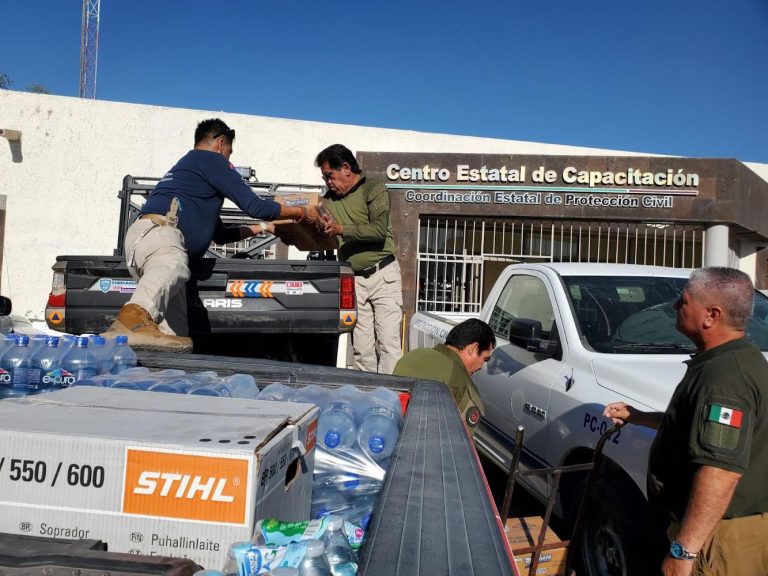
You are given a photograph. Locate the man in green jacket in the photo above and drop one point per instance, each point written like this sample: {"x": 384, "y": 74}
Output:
{"x": 467, "y": 347}
{"x": 360, "y": 207}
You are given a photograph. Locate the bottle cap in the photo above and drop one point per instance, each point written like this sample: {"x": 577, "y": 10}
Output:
{"x": 335, "y": 522}
{"x": 332, "y": 439}
{"x": 376, "y": 444}
{"x": 81, "y": 342}
{"x": 22, "y": 340}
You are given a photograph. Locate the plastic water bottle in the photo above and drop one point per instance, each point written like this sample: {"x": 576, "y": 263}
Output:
{"x": 338, "y": 552}
{"x": 313, "y": 394}
{"x": 7, "y": 341}
{"x": 336, "y": 426}
{"x": 46, "y": 373}
{"x": 201, "y": 377}
{"x": 123, "y": 357}
{"x": 66, "y": 341}
{"x": 15, "y": 369}
{"x": 378, "y": 432}
{"x": 283, "y": 571}
{"x": 314, "y": 562}
{"x": 212, "y": 388}
{"x": 174, "y": 386}
{"x": 103, "y": 352}
{"x": 36, "y": 342}
{"x": 277, "y": 392}
{"x": 231, "y": 567}
{"x": 80, "y": 361}
{"x": 240, "y": 386}
{"x": 135, "y": 371}
{"x": 388, "y": 398}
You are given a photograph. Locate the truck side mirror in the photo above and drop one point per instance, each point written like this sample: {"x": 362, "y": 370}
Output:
{"x": 526, "y": 333}
{"x": 523, "y": 330}
{"x": 5, "y": 306}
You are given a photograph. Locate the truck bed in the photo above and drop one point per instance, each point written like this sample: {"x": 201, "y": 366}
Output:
{"x": 435, "y": 513}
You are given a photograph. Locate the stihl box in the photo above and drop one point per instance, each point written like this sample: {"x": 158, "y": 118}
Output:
{"x": 153, "y": 473}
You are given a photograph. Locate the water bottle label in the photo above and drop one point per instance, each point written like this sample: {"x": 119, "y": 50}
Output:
{"x": 5, "y": 379}
{"x": 338, "y": 406}
{"x": 382, "y": 411}
{"x": 277, "y": 533}
{"x": 20, "y": 377}
{"x": 259, "y": 560}
{"x": 57, "y": 378}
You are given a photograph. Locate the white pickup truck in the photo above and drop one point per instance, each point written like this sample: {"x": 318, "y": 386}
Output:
{"x": 570, "y": 339}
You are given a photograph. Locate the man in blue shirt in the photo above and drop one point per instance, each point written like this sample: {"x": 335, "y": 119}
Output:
{"x": 178, "y": 222}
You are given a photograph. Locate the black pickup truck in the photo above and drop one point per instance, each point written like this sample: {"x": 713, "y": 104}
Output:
{"x": 239, "y": 304}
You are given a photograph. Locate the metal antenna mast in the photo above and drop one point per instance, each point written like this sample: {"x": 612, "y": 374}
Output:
{"x": 89, "y": 48}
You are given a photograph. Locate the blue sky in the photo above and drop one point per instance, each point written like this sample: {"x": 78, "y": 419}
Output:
{"x": 679, "y": 77}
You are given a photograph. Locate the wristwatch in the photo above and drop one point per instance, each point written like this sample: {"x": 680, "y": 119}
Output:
{"x": 678, "y": 551}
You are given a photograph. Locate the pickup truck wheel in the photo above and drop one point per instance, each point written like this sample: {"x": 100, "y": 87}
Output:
{"x": 615, "y": 533}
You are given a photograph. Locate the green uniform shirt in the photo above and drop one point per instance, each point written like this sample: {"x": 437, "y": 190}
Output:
{"x": 364, "y": 214}
{"x": 716, "y": 417}
{"x": 444, "y": 365}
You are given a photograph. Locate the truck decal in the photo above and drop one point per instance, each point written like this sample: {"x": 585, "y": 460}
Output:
{"x": 591, "y": 422}
{"x": 268, "y": 288}
{"x": 106, "y": 285}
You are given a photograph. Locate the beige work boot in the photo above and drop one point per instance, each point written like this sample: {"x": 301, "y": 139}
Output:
{"x": 143, "y": 332}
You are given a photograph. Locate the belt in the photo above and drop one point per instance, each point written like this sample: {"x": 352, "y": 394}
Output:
{"x": 170, "y": 219}
{"x": 371, "y": 270}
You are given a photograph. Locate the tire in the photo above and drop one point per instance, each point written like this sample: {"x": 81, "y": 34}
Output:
{"x": 616, "y": 537}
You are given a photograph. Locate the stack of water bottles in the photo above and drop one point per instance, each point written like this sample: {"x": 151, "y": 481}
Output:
{"x": 356, "y": 435}
{"x": 39, "y": 363}
{"x": 325, "y": 547}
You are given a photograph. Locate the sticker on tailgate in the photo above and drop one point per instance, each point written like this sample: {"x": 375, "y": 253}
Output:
{"x": 268, "y": 288}
{"x": 111, "y": 285}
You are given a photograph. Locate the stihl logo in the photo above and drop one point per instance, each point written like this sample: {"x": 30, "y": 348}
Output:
{"x": 188, "y": 486}
{"x": 183, "y": 486}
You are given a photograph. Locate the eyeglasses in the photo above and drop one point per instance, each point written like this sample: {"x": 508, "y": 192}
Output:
{"x": 327, "y": 175}
{"x": 229, "y": 133}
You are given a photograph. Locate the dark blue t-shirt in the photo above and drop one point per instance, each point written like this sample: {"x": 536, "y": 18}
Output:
{"x": 201, "y": 181}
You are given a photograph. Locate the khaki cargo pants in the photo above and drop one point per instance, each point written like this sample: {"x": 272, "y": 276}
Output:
{"x": 376, "y": 337}
{"x": 158, "y": 260}
{"x": 737, "y": 547}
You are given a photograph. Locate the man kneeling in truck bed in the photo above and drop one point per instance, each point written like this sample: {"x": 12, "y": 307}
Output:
{"x": 467, "y": 347}
{"x": 178, "y": 222}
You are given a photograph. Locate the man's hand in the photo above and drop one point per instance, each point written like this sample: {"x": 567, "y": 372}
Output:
{"x": 672, "y": 567}
{"x": 333, "y": 228}
{"x": 618, "y": 412}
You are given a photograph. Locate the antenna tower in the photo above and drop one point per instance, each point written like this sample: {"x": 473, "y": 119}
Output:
{"x": 89, "y": 48}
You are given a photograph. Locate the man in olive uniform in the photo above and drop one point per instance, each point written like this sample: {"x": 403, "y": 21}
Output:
{"x": 360, "y": 207}
{"x": 707, "y": 466}
{"x": 467, "y": 347}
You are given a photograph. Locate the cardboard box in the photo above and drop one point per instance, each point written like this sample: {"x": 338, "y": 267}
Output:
{"x": 524, "y": 532}
{"x": 153, "y": 473}
{"x": 303, "y": 235}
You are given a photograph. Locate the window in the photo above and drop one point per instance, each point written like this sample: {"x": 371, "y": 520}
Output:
{"x": 523, "y": 297}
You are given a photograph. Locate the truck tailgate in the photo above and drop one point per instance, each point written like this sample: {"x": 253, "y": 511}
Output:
{"x": 225, "y": 295}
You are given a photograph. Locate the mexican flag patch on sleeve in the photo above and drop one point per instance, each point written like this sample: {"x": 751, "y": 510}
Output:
{"x": 723, "y": 415}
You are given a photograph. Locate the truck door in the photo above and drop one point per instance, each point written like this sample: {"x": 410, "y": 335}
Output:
{"x": 515, "y": 383}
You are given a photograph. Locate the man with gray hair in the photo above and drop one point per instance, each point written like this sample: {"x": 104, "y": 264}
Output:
{"x": 707, "y": 465}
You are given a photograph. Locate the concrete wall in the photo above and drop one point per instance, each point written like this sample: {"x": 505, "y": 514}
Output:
{"x": 61, "y": 180}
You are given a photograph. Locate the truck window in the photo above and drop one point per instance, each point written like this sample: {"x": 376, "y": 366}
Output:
{"x": 522, "y": 297}
{"x": 636, "y": 315}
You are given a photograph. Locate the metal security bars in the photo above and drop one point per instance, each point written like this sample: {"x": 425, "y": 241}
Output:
{"x": 459, "y": 259}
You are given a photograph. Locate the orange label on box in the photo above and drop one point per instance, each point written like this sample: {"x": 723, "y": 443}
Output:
{"x": 186, "y": 486}
{"x": 311, "y": 436}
